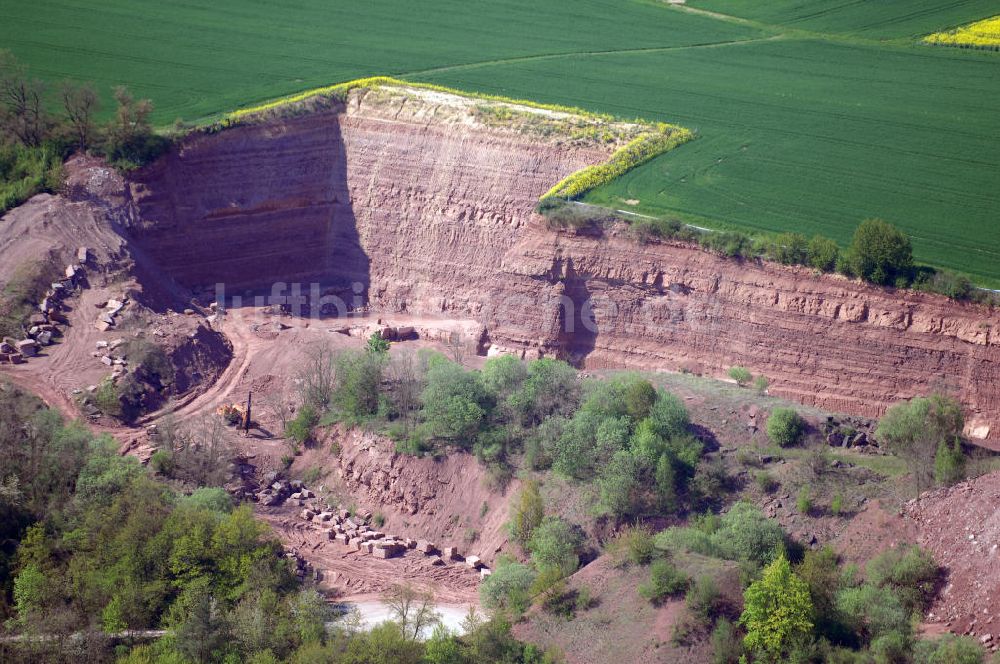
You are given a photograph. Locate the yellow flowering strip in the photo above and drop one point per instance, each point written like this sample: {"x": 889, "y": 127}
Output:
{"x": 341, "y": 89}
{"x": 981, "y": 34}
{"x": 637, "y": 151}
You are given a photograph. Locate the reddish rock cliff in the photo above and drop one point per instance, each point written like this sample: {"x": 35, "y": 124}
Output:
{"x": 421, "y": 208}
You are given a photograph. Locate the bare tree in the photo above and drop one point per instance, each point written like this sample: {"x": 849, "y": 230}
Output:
{"x": 132, "y": 116}
{"x": 413, "y": 609}
{"x": 317, "y": 376}
{"x": 202, "y": 452}
{"x": 23, "y": 100}
{"x": 405, "y": 379}
{"x": 80, "y": 103}
{"x": 276, "y": 403}
{"x": 457, "y": 347}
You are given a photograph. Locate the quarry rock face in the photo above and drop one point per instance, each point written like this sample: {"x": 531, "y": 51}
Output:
{"x": 415, "y": 207}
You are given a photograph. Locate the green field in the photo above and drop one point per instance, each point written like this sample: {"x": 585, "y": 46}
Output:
{"x": 812, "y": 114}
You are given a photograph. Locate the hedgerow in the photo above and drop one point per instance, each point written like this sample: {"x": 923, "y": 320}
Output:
{"x": 662, "y": 138}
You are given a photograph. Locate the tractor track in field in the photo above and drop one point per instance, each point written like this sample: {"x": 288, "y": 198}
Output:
{"x": 578, "y": 54}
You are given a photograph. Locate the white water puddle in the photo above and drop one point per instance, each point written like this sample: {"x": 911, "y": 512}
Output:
{"x": 374, "y": 613}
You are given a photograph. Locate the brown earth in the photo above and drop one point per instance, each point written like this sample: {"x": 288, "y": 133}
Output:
{"x": 960, "y": 526}
{"x": 425, "y": 212}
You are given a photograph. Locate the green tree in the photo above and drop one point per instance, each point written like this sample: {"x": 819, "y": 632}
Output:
{"x": 880, "y": 253}
{"x": 949, "y": 463}
{"x": 916, "y": 429}
{"x": 507, "y": 588}
{"x": 785, "y": 426}
{"x": 358, "y": 378}
{"x": 619, "y": 484}
{"x": 791, "y": 248}
{"x": 555, "y": 543}
{"x": 777, "y": 611}
{"x": 527, "y": 512}
{"x": 640, "y": 395}
{"x": 822, "y": 253}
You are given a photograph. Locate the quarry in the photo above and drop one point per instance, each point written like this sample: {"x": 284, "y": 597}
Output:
{"x": 412, "y": 216}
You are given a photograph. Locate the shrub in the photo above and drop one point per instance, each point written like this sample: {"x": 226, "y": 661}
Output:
{"x": 765, "y": 482}
{"x": 822, "y": 253}
{"x": 300, "y": 428}
{"x": 726, "y": 643}
{"x": 632, "y": 544}
{"x": 949, "y": 463}
{"x": 791, "y": 248}
{"x": 665, "y": 581}
{"x": 162, "y": 462}
{"x": 837, "y": 504}
{"x": 880, "y": 253}
{"x": 803, "y": 502}
{"x": 527, "y": 513}
{"x": 507, "y": 588}
{"x": 872, "y": 612}
{"x": 785, "y": 426}
{"x": 760, "y": 384}
{"x": 948, "y": 649}
{"x": 741, "y": 375}
{"x": 703, "y": 600}
{"x": 555, "y": 543}
{"x": 742, "y": 533}
{"x": 909, "y": 571}
{"x": 619, "y": 484}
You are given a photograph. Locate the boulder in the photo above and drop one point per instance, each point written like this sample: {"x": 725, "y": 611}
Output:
{"x": 102, "y": 326}
{"x": 423, "y": 546}
{"x": 27, "y": 347}
{"x": 450, "y": 553}
{"x": 44, "y": 338}
{"x": 484, "y": 572}
{"x": 474, "y": 562}
{"x": 436, "y": 560}
{"x": 307, "y": 514}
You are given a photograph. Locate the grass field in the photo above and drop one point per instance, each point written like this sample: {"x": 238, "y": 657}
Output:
{"x": 882, "y": 19}
{"x": 812, "y": 114}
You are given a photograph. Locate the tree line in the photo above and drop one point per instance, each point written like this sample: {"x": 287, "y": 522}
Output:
{"x": 40, "y": 125}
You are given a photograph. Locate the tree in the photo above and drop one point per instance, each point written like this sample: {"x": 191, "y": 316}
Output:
{"x": 777, "y": 611}
{"x": 316, "y": 377}
{"x": 916, "y": 429}
{"x": 785, "y": 426}
{"x": 619, "y": 484}
{"x": 822, "y": 253}
{"x": 949, "y": 463}
{"x": 80, "y": 104}
{"x": 791, "y": 248}
{"x": 23, "y": 100}
{"x": 358, "y": 378}
{"x": 508, "y": 587}
{"x": 880, "y": 253}
{"x": 412, "y": 609}
{"x": 640, "y": 395}
{"x": 527, "y": 513}
{"x": 555, "y": 543}
{"x": 131, "y": 117}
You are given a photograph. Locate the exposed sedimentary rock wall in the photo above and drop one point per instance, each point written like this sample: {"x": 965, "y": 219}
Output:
{"x": 431, "y": 212}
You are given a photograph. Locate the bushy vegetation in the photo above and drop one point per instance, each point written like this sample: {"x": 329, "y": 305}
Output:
{"x": 926, "y": 433}
{"x": 743, "y": 534}
{"x": 34, "y": 140}
{"x": 785, "y": 426}
{"x": 984, "y": 34}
